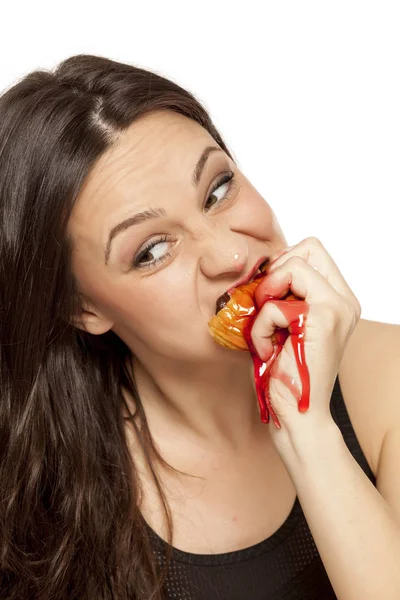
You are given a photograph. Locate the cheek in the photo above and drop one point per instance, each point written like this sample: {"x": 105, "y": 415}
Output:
{"x": 101, "y": 290}
{"x": 169, "y": 320}
{"x": 154, "y": 314}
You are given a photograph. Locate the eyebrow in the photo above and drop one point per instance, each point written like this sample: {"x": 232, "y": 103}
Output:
{"x": 155, "y": 213}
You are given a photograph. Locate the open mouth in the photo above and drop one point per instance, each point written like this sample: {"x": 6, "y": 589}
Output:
{"x": 260, "y": 270}
{"x": 224, "y": 299}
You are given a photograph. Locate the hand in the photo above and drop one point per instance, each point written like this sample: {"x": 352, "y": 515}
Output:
{"x": 309, "y": 272}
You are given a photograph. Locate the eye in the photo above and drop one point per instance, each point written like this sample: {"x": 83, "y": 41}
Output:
{"x": 158, "y": 249}
{"x": 223, "y": 186}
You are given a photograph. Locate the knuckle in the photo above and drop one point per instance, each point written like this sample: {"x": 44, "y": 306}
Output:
{"x": 314, "y": 241}
{"x": 295, "y": 261}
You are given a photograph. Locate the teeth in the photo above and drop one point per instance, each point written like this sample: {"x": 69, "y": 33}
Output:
{"x": 263, "y": 266}
{"x": 260, "y": 269}
{"x": 222, "y": 301}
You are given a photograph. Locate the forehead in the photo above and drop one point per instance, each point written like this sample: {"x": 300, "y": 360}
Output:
{"x": 157, "y": 141}
{"x": 155, "y": 151}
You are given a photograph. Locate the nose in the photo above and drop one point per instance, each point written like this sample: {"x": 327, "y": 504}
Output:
{"x": 224, "y": 255}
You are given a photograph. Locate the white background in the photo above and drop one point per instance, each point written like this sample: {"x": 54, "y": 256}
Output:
{"x": 305, "y": 93}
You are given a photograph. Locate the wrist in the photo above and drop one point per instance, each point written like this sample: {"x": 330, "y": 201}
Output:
{"x": 308, "y": 440}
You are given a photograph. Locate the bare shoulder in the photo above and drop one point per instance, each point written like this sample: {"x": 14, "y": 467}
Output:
{"x": 369, "y": 381}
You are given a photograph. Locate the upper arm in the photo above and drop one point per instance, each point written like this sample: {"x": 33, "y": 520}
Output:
{"x": 369, "y": 378}
{"x": 388, "y": 480}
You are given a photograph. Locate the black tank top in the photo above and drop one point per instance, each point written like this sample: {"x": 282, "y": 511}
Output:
{"x": 284, "y": 566}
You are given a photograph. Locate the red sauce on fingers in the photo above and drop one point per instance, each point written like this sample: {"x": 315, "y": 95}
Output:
{"x": 295, "y": 312}
{"x": 239, "y": 316}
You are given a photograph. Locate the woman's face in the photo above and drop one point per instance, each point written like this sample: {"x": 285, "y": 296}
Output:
{"x": 159, "y": 236}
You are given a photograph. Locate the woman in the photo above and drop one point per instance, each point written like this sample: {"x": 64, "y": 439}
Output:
{"x": 123, "y": 219}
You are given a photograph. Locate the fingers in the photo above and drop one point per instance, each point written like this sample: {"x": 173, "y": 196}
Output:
{"x": 271, "y": 322}
{"x": 330, "y": 306}
{"x": 303, "y": 295}
{"x": 297, "y": 276}
{"x": 312, "y": 252}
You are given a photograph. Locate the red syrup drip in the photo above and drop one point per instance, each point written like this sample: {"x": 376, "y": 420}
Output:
{"x": 295, "y": 312}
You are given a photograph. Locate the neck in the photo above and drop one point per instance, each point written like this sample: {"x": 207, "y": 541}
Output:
{"x": 214, "y": 405}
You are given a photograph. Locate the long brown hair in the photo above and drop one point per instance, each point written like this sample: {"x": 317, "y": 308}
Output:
{"x": 70, "y": 526}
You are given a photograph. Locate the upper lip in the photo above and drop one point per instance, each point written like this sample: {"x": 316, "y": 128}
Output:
{"x": 250, "y": 275}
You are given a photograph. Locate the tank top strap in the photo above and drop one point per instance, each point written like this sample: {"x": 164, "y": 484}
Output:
{"x": 342, "y": 419}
